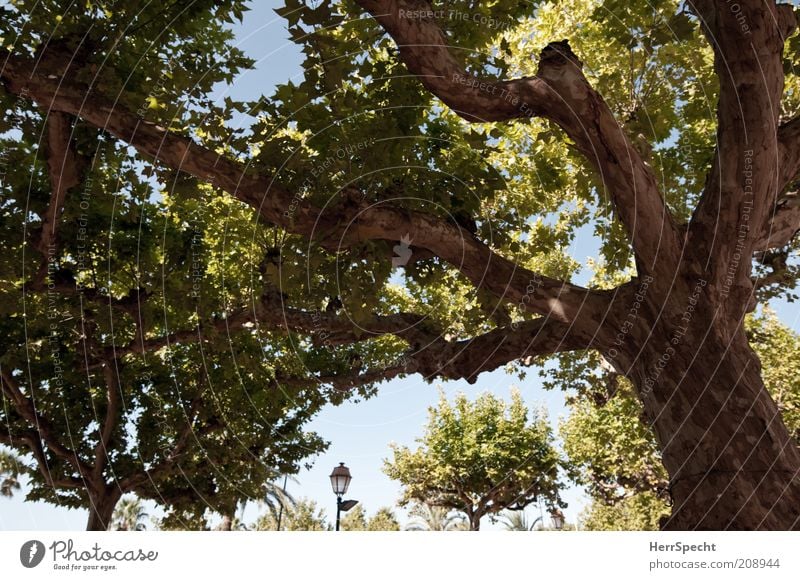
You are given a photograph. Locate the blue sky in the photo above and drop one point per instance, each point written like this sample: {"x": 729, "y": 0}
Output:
{"x": 360, "y": 433}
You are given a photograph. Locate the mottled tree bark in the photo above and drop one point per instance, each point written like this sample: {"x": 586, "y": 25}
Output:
{"x": 732, "y": 463}
{"x": 101, "y": 508}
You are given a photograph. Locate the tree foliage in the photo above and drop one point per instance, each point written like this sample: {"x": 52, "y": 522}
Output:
{"x": 517, "y": 521}
{"x": 129, "y": 515}
{"x": 180, "y": 296}
{"x": 356, "y": 520}
{"x": 479, "y": 458}
{"x": 642, "y": 511}
{"x": 119, "y": 290}
{"x": 303, "y": 516}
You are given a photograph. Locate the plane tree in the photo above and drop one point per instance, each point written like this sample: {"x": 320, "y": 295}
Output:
{"x": 412, "y": 200}
{"x": 479, "y": 458}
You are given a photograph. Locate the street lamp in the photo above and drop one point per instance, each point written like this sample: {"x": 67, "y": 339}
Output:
{"x": 340, "y": 481}
{"x": 558, "y": 519}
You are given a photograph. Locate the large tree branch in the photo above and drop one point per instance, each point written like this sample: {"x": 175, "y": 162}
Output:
{"x": 272, "y": 314}
{"x": 783, "y": 222}
{"x": 745, "y": 179}
{"x": 109, "y": 423}
{"x": 24, "y": 406}
{"x": 34, "y": 443}
{"x": 559, "y": 92}
{"x": 430, "y": 352}
{"x": 50, "y": 86}
{"x": 466, "y": 359}
{"x": 349, "y": 380}
{"x": 64, "y": 168}
{"x": 789, "y": 152}
{"x": 782, "y": 225}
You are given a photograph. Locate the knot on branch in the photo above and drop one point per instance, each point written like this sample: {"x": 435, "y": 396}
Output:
{"x": 558, "y": 54}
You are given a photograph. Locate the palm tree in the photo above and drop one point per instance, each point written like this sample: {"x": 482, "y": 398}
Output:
{"x": 428, "y": 518}
{"x": 128, "y": 515}
{"x": 276, "y": 498}
{"x": 10, "y": 470}
{"x": 517, "y": 521}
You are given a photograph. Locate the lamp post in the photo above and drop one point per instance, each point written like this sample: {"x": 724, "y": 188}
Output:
{"x": 340, "y": 481}
{"x": 283, "y": 498}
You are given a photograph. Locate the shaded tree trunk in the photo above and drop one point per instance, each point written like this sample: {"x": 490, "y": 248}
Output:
{"x": 227, "y": 523}
{"x": 474, "y": 518}
{"x": 101, "y": 508}
{"x": 731, "y": 461}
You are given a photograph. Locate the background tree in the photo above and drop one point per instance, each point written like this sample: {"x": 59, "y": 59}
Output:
{"x": 10, "y": 471}
{"x": 383, "y": 520}
{"x": 125, "y": 316}
{"x": 304, "y": 515}
{"x": 517, "y": 521}
{"x": 430, "y": 518}
{"x": 481, "y": 166}
{"x": 480, "y": 458}
{"x": 641, "y": 511}
{"x": 129, "y": 515}
{"x": 356, "y": 520}
{"x": 273, "y": 495}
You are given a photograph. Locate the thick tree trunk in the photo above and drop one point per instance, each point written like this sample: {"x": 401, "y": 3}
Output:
{"x": 101, "y": 509}
{"x": 474, "y": 521}
{"x": 731, "y": 461}
{"x": 227, "y": 523}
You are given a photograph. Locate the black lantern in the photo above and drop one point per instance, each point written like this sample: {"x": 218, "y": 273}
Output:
{"x": 340, "y": 481}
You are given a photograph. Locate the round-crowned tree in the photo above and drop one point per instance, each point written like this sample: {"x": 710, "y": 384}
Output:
{"x": 480, "y": 458}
